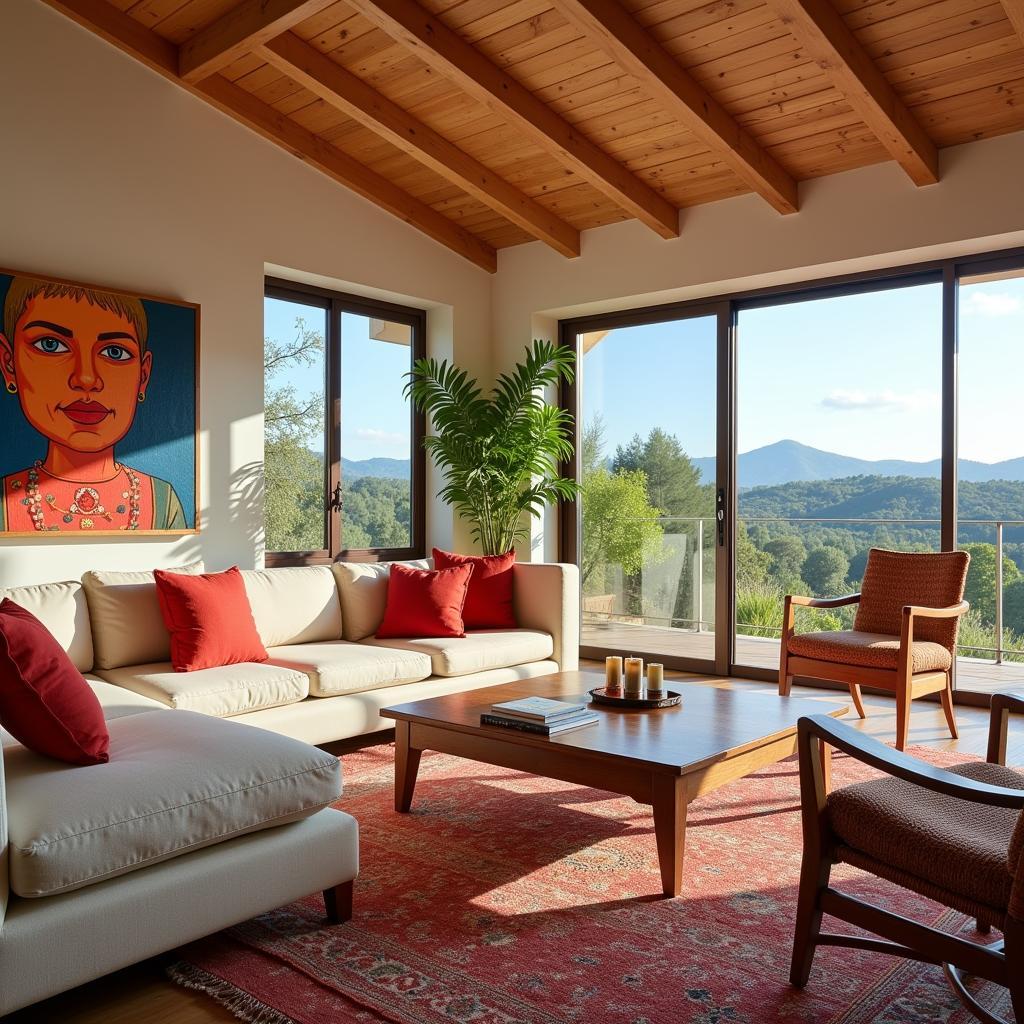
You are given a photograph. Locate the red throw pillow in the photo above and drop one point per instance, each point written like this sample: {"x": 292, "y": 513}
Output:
{"x": 489, "y": 601}
{"x": 425, "y": 602}
{"x": 45, "y": 703}
{"x": 209, "y": 619}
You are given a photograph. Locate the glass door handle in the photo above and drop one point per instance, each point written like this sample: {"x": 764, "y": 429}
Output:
{"x": 720, "y": 517}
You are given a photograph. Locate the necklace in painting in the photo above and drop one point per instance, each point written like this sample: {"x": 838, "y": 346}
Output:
{"x": 86, "y": 506}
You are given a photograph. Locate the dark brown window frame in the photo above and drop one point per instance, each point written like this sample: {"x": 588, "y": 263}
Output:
{"x": 335, "y": 303}
{"x": 948, "y": 272}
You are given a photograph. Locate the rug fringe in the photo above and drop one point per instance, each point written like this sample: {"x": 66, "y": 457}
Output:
{"x": 234, "y": 1000}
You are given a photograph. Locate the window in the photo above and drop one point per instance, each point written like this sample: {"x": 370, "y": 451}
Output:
{"x": 343, "y": 459}
{"x": 990, "y": 467}
{"x": 810, "y": 423}
{"x": 839, "y": 444}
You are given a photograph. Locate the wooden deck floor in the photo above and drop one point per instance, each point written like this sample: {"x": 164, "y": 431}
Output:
{"x": 763, "y": 652}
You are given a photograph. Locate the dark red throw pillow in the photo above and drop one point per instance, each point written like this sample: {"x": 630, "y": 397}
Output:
{"x": 489, "y": 601}
{"x": 45, "y": 703}
{"x": 425, "y": 602}
{"x": 209, "y": 619}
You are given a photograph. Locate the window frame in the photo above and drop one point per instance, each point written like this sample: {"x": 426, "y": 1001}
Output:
{"x": 335, "y": 303}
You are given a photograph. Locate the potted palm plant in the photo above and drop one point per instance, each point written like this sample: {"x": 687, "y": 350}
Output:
{"x": 500, "y": 452}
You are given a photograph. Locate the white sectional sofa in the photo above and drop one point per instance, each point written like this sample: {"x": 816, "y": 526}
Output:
{"x": 198, "y": 823}
{"x": 327, "y": 677}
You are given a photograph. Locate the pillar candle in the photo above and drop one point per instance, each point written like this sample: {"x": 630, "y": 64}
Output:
{"x": 613, "y": 676}
{"x": 634, "y": 668}
{"x": 655, "y": 681}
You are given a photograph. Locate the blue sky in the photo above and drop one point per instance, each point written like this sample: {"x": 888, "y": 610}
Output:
{"x": 858, "y": 375}
{"x": 375, "y": 416}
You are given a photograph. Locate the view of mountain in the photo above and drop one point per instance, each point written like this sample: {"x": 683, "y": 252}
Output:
{"x": 392, "y": 469}
{"x": 788, "y": 461}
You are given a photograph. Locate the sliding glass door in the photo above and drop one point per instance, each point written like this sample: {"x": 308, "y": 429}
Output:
{"x": 737, "y": 450}
{"x": 990, "y": 471}
{"x": 839, "y": 440}
{"x": 648, "y": 537}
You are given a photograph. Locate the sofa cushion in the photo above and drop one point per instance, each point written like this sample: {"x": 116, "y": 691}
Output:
{"x": 127, "y": 627}
{"x": 489, "y": 600}
{"x": 869, "y": 650}
{"x": 174, "y": 783}
{"x": 62, "y": 609}
{"x": 294, "y": 605}
{"x": 115, "y": 702}
{"x": 477, "y": 651}
{"x": 223, "y": 691}
{"x": 425, "y": 602}
{"x": 363, "y": 590}
{"x": 921, "y": 838}
{"x": 339, "y": 667}
{"x": 44, "y": 700}
{"x": 209, "y": 619}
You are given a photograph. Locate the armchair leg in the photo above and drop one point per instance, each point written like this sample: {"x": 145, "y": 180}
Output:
{"x": 785, "y": 680}
{"x": 902, "y": 719}
{"x": 338, "y": 903}
{"x": 858, "y": 700}
{"x": 1013, "y": 934}
{"x": 947, "y": 706}
{"x": 814, "y": 877}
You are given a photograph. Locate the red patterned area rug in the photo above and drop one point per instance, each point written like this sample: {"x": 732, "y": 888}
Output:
{"x": 509, "y": 899}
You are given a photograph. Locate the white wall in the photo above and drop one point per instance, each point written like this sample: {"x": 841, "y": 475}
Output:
{"x": 865, "y": 219}
{"x": 111, "y": 175}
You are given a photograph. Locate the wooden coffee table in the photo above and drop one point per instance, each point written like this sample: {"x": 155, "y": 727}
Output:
{"x": 663, "y": 758}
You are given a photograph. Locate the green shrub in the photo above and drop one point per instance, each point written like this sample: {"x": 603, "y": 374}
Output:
{"x": 759, "y": 609}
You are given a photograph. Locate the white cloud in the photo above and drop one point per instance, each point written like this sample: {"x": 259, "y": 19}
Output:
{"x": 991, "y": 304}
{"x": 893, "y": 401}
{"x": 381, "y": 436}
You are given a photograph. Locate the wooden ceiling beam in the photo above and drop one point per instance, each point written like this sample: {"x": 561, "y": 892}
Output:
{"x": 346, "y": 170}
{"x": 611, "y": 27}
{"x": 238, "y": 31}
{"x": 450, "y": 55}
{"x": 822, "y": 32}
{"x": 348, "y": 93}
{"x": 1015, "y": 12}
{"x": 129, "y": 36}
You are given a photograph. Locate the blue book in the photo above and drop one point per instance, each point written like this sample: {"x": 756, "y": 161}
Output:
{"x": 538, "y": 709}
{"x": 574, "y": 721}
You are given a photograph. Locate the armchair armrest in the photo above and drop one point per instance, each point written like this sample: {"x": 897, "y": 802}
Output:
{"x": 1003, "y": 704}
{"x": 822, "y": 602}
{"x": 817, "y": 729}
{"x": 794, "y": 601}
{"x": 922, "y": 612}
{"x": 547, "y": 598}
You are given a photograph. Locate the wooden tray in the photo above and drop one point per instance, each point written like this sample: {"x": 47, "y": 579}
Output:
{"x": 670, "y": 700}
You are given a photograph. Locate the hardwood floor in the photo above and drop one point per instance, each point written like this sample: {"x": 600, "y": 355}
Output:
{"x": 142, "y": 993}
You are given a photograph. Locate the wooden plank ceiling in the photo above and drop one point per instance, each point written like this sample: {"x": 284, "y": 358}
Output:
{"x": 487, "y": 124}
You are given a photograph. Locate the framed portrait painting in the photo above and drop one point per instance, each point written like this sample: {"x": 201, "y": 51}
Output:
{"x": 99, "y": 410}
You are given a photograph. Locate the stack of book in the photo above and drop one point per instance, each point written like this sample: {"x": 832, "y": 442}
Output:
{"x": 539, "y": 715}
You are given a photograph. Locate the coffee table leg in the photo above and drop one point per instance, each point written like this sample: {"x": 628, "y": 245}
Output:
{"x": 668, "y": 794}
{"x": 407, "y": 764}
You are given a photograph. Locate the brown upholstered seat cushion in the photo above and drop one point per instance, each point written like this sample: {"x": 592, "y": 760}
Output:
{"x": 948, "y": 843}
{"x": 870, "y": 650}
{"x": 893, "y": 579}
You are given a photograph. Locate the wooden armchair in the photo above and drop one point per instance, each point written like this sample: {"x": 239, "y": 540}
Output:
{"x": 903, "y": 639}
{"x": 953, "y": 836}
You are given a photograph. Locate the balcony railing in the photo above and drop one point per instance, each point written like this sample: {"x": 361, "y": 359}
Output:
{"x": 698, "y": 620}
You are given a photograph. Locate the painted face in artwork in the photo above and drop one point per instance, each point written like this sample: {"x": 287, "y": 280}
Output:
{"x": 81, "y": 371}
